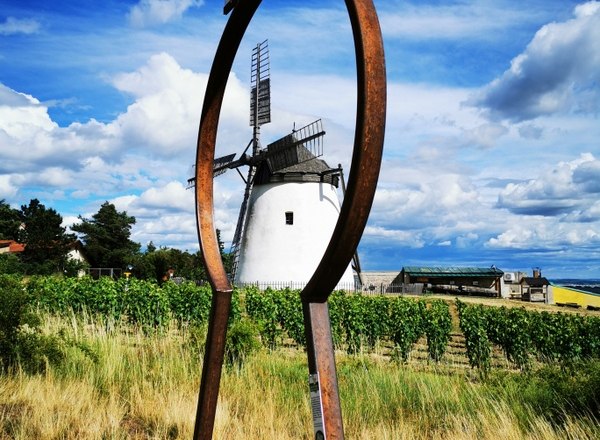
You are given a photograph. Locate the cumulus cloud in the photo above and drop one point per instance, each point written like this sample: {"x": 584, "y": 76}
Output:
{"x": 160, "y": 126}
{"x": 398, "y": 237}
{"x": 172, "y": 197}
{"x": 559, "y": 71}
{"x": 7, "y": 187}
{"x": 151, "y": 12}
{"x": 164, "y": 117}
{"x": 567, "y": 187}
{"x": 547, "y": 236}
{"x": 14, "y": 25}
{"x": 425, "y": 208}
{"x": 164, "y": 214}
{"x": 30, "y": 140}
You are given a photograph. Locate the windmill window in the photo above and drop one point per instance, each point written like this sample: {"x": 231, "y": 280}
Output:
{"x": 289, "y": 218}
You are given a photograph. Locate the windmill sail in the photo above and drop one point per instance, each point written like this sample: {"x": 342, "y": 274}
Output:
{"x": 297, "y": 147}
{"x": 260, "y": 87}
{"x": 260, "y": 113}
{"x": 222, "y": 164}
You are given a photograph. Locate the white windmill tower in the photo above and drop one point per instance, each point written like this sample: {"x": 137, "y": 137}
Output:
{"x": 290, "y": 204}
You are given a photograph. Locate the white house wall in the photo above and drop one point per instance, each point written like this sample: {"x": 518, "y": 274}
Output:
{"x": 275, "y": 252}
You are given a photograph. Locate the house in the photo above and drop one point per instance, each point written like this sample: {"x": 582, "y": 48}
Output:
{"x": 480, "y": 280}
{"x": 534, "y": 289}
{"x": 11, "y": 247}
{"x": 77, "y": 254}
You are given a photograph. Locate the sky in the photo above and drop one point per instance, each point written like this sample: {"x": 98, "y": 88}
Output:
{"x": 492, "y": 146}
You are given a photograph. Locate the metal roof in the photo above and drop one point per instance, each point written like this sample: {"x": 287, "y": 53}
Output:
{"x": 535, "y": 281}
{"x": 452, "y": 271}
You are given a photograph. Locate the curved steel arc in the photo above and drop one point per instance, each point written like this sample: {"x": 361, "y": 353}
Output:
{"x": 207, "y": 136}
{"x": 222, "y": 289}
{"x": 366, "y": 158}
{"x": 364, "y": 172}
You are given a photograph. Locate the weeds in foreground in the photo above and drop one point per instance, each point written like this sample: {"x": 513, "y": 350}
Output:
{"x": 126, "y": 383}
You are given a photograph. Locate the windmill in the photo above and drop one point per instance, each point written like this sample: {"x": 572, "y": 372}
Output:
{"x": 290, "y": 202}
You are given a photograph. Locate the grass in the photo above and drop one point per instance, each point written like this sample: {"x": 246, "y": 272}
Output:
{"x": 119, "y": 382}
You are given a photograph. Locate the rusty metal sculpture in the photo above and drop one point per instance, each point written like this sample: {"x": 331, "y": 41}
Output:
{"x": 364, "y": 172}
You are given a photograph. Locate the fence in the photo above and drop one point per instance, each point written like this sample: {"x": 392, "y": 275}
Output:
{"x": 97, "y": 272}
{"x": 375, "y": 289}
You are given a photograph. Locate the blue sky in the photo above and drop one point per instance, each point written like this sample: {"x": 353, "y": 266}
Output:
{"x": 492, "y": 151}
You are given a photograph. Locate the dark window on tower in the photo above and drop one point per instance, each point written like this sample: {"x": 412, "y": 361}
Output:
{"x": 289, "y": 218}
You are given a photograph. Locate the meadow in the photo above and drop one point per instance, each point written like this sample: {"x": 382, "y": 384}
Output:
{"x": 108, "y": 376}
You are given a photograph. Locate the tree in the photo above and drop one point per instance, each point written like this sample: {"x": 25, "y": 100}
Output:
{"x": 155, "y": 264}
{"x": 46, "y": 241}
{"x": 227, "y": 257}
{"x": 106, "y": 237}
{"x": 9, "y": 222}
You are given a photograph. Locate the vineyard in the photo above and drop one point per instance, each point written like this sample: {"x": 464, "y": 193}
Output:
{"x": 360, "y": 323}
{"x": 83, "y": 358}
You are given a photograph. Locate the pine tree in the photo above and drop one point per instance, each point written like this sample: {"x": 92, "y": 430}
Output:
{"x": 106, "y": 237}
{"x": 46, "y": 241}
{"x": 9, "y": 222}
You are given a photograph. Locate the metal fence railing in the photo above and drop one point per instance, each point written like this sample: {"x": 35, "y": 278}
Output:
{"x": 97, "y": 272}
{"x": 374, "y": 289}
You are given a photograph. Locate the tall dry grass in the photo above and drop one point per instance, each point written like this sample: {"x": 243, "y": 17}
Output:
{"x": 120, "y": 382}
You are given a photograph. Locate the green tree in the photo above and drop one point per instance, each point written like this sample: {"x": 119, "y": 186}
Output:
{"x": 46, "y": 241}
{"x": 225, "y": 256}
{"x": 106, "y": 237}
{"x": 9, "y": 222}
{"x": 155, "y": 263}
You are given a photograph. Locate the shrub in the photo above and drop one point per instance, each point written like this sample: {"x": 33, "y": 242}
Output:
{"x": 21, "y": 341}
{"x": 242, "y": 341}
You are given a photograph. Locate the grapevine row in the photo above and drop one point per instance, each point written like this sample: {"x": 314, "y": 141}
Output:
{"x": 359, "y": 322}
{"x": 525, "y": 336}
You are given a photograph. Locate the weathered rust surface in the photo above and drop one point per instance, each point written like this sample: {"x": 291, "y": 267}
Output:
{"x": 364, "y": 172}
{"x": 221, "y": 287}
{"x": 366, "y": 158}
{"x": 321, "y": 360}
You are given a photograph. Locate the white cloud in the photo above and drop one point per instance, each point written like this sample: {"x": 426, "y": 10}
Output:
{"x": 537, "y": 234}
{"x": 151, "y": 12}
{"x": 14, "y": 25}
{"x": 171, "y": 197}
{"x": 55, "y": 176}
{"x": 164, "y": 118}
{"x": 398, "y": 237}
{"x": 559, "y": 71}
{"x": 557, "y": 191}
{"x": 7, "y": 188}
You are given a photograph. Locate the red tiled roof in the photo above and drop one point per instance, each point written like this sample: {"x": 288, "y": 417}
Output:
{"x": 12, "y": 245}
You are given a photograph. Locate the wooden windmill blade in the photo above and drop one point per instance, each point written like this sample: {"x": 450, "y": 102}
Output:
{"x": 260, "y": 85}
{"x": 222, "y": 164}
{"x": 285, "y": 151}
